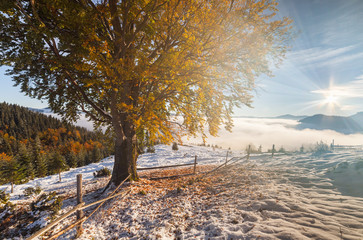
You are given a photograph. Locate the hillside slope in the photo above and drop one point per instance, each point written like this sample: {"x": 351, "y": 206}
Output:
{"x": 340, "y": 124}
{"x": 358, "y": 117}
{"x": 295, "y": 196}
{"x": 36, "y": 145}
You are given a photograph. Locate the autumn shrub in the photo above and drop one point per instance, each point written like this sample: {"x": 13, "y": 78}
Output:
{"x": 320, "y": 148}
{"x": 104, "y": 172}
{"x": 4, "y": 197}
{"x": 282, "y": 150}
{"x": 150, "y": 149}
{"x": 142, "y": 192}
{"x": 175, "y": 146}
{"x": 31, "y": 191}
{"x": 6, "y": 206}
{"x": 49, "y": 202}
{"x": 6, "y": 210}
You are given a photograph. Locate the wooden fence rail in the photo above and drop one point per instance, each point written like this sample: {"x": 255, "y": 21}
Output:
{"x": 83, "y": 219}
{"x": 81, "y": 205}
{"x": 55, "y": 222}
{"x": 78, "y": 207}
{"x": 228, "y": 162}
{"x": 169, "y": 166}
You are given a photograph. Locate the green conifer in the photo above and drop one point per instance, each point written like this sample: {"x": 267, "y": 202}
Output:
{"x": 12, "y": 172}
{"x": 25, "y": 161}
{"x": 57, "y": 164}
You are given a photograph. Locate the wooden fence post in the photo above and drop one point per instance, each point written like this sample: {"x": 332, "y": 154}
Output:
{"x": 248, "y": 152}
{"x": 226, "y": 158}
{"x": 332, "y": 145}
{"x": 273, "y": 149}
{"x": 195, "y": 164}
{"x": 79, "y": 200}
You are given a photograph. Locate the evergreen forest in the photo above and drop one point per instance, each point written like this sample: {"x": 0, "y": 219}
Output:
{"x": 33, "y": 144}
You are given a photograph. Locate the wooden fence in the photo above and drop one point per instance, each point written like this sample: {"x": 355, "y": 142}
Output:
{"x": 81, "y": 205}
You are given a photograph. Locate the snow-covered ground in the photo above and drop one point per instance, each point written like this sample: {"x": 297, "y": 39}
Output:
{"x": 294, "y": 196}
{"x": 163, "y": 156}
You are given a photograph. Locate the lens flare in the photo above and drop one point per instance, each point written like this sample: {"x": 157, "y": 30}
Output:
{"x": 331, "y": 99}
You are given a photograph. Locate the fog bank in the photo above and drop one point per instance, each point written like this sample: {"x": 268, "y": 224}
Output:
{"x": 281, "y": 132}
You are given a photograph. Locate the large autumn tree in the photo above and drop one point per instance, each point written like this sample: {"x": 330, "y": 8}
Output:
{"x": 132, "y": 65}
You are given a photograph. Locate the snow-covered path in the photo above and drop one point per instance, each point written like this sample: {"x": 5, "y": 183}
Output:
{"x": 243, "y": 201}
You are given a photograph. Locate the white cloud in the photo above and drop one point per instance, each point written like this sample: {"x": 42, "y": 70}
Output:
{"x": 342, "y": 59}
{"x": 322, "y": 57}
{"x": 318, "y": 54}
{"x": 280, "y": 132}
{"x": 344, "y": 28}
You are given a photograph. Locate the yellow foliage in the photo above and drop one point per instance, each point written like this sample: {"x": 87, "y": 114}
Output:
{"x": 169, "y": 67}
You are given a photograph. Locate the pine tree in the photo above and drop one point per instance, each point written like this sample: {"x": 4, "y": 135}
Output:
{"x": 10, "y": 170}
{"x": 96, "y": 154}
{"x": 6, "y": 146}
{"x": 39, "y": 158}
{"x": 87, "y": 158}
{"x": 25, "y": 161}
{"x": 81, "y": 158}
{"x": 71, "y": 159}
{"x": 57, "y": 164}
{"x": 42, "y": 168}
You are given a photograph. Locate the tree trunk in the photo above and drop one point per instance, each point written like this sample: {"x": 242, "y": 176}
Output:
{"x": 125, "y": 145}
{"x": 12, "y": 187}
{"x": 125, "y": 157}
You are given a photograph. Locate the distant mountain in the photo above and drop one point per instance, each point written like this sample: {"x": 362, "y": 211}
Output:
{"x": 346, "y": 125}
{"x": 292, "y": 117}
{"x": 358, "y": 117}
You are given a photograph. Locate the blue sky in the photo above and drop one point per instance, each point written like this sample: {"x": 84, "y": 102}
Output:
{"x": 323, "y": 72}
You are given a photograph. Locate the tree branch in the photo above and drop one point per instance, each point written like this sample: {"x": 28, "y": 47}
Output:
{"x": 52, "y": 44}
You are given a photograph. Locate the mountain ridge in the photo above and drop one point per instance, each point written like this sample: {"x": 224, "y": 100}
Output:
{"x": 345, "y": 125}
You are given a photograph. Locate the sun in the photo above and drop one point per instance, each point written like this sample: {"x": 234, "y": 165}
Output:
{"x": 330, "y": 102}
{"x": 331, "y": 99}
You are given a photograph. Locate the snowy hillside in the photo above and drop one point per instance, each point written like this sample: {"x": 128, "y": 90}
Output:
{"x": 289, "y": 196}
{"x": 163, "y": 156}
